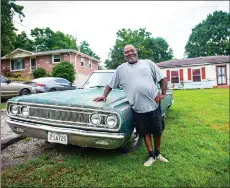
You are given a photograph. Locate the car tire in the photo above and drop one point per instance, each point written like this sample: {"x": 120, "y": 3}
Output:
{"x": 134, "y": 142}
{"x": 52, "y": 90}
{"x": 24, "y": 92}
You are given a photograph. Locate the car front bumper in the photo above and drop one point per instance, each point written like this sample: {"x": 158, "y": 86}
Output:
{"x": 75, "y": 136}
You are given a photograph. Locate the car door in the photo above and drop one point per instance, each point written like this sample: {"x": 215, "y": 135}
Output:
{"x": 7, "y": 89}
{"x": 167, "y": 101}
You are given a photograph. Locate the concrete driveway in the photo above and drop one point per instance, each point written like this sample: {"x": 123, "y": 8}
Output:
{"x": 7, "y": 135}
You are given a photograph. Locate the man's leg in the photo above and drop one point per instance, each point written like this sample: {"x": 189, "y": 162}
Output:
{"x": 157, "y": 143}
{"x": 148, "y": 142}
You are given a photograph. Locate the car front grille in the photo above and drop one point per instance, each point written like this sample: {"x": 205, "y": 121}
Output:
{"x": 65, "y": 116}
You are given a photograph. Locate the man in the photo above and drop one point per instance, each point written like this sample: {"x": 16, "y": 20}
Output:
{"x": 138, "y": 78}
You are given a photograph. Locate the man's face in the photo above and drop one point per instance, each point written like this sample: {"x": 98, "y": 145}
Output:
{"x": 130, "y": 54}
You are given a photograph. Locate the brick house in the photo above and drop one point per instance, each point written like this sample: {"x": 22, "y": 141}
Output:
{"x": 24, "y": 62}
{"x": 195, "y": 73}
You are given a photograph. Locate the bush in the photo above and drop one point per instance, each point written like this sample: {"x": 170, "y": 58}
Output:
{"x": 39, "y": 72}
{"x": 64, "y": 70}
{"x": 16, "y": 75}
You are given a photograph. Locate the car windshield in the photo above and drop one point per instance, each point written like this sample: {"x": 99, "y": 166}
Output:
{"x": 98, "y": 79}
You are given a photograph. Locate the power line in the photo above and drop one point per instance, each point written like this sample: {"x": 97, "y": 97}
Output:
{"x": 21, "y": 24}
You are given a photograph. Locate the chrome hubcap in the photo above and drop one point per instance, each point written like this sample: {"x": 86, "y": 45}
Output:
{"x": 134, "y": 138}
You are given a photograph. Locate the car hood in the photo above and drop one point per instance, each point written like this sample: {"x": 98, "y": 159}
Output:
{"x": 74, "y": 98}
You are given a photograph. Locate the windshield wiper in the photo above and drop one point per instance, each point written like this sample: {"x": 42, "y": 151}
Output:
{"x": 99, "y": 86}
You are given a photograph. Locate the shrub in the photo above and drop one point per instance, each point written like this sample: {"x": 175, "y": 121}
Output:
{"x": 39, "y": 72}
{"x": 16, "y": 75}
{"x": 64, "y": 70}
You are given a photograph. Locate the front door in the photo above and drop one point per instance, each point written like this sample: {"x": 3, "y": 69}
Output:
{"x": 33, "y": 64}
{"x": 221, "y": 75}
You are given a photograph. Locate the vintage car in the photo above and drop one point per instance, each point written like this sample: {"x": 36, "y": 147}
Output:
{"x": 72, "y": 117}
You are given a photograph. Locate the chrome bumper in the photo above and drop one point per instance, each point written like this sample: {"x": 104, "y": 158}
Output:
{"x": 75, "y": 136}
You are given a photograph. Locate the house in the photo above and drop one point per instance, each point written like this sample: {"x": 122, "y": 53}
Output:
{"x": 195, "y": 73}
{"x": 24, "y": 62}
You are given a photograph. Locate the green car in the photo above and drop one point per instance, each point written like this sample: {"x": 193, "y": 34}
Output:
{"x": 72, "y": 117}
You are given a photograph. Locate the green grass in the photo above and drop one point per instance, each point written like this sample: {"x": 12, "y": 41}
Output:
{"x": 3, "y": 105}
{"x": 196, "y": 141}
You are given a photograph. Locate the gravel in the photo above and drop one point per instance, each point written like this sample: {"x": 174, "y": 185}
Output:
{"x": 22, "y": 151}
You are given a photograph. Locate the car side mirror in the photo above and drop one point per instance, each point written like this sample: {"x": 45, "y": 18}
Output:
{"x": 8, "y": 81}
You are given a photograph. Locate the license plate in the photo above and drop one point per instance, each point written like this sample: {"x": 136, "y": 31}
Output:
{"x": 57, "y": 138}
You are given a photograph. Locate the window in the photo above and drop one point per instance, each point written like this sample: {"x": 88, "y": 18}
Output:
{"x": 56, "y": 58}
{"x": 196, "y": 75}
{"x": 17, "y": 64}
{"x": 33, "y": 64}
{"x": 90, "y": 64}
{"x": 62, "y": 81}
{"x": 174, "y": 76}
{"x": 3, "y": 79}
{"x": 82, "y": 61}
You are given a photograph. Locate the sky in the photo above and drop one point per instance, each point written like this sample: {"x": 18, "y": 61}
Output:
{"x": 97, "y": 22}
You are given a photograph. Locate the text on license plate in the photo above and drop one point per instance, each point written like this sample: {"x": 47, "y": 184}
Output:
{"x": 57, "y": 138}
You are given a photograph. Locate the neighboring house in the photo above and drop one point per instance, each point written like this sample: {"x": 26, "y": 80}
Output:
{"x": 194, "y": 73}
{"x": 24, "y": 62}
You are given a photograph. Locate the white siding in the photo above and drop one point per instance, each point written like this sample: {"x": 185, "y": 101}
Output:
{"x": 209, "y": 82}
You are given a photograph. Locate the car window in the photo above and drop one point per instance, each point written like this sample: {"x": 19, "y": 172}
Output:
{"x": 62, "y": 81}
{"x": 3, "y": 79}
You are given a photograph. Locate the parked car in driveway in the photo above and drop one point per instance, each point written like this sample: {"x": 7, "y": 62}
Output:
{"x": 10, "y": 89}
{"x": 50, "y": 84}
{"x": 72, "y": 117}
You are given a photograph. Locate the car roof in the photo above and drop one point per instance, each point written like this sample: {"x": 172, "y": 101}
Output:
{"x": 107, "y": 70}
{"x": 48, "y": 78}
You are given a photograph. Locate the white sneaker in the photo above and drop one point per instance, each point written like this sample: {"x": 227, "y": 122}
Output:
{"x": 150, "y": 161}
{"x": 161, "y": 158}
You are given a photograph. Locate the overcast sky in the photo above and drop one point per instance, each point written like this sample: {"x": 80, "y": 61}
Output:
{"x": 98, "y": 21}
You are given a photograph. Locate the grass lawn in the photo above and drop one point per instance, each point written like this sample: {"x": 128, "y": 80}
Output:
{"x": 196, "y": 142}
{"x": 3, "y": 105}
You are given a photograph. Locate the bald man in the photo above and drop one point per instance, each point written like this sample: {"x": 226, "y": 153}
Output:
{"x": 139, "y": 80}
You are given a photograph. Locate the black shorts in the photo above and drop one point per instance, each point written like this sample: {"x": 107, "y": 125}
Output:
{"x": 149, "y": 122}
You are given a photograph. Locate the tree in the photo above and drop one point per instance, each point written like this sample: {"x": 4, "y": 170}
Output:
{"x": 84, "y": 48}
{"x": 210, "y": 37}
{"x": 8, "y": 10}
{"x": 46, "y": 39}
{"x": 65, "y": 70}
{"x": 156, "y": 49}
{"x": 23, "y": 42}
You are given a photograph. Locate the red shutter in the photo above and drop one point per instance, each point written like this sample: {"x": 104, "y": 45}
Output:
{"x": 168, "y": 75}
{"x": 189, "y": 74}
{"x": 181, "y": 75}
{"x": 203, "y": 73}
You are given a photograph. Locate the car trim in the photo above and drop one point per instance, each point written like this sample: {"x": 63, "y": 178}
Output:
{"x": 75, "y": 136}
{"x": 60, "y": 122}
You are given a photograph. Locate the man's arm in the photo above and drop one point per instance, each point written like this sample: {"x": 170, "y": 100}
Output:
{"x": 104, "y": 96}
{"x": 164, "y": 86}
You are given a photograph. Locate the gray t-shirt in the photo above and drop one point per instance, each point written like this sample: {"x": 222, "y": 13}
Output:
{"x": 139, "y": 83}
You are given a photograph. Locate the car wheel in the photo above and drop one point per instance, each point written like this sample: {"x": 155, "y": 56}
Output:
{"x": 133, "y": 143}
{"x": 52, "y": 90}
{"x": 24, "y": 92}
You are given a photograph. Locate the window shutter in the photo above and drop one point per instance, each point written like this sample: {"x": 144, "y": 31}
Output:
{"x": 203, "y": 73}
{"x": 181, "y": 75}
{"x": 189, "y": 74}
{"x": 168, "y": 75}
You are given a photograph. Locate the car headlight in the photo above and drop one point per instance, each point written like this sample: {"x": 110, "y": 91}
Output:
{"x": 14, "y": 109}
{"x": 111, "y": 121}
{"x": 95, "y": 119}
{"x": 25, "y": 111}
